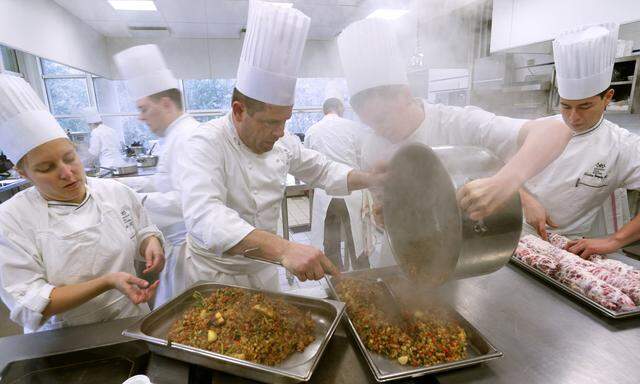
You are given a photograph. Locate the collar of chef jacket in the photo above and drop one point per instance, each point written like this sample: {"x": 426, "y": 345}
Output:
{"x": 174, "y": 123}
{"x": 598, "y": 124}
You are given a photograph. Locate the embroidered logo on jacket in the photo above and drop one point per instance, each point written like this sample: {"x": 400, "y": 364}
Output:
{"x": 595, "y": 177}
{"x": 127, "y": 220}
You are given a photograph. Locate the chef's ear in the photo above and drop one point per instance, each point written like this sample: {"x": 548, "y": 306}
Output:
{"x": 238, "y": 109}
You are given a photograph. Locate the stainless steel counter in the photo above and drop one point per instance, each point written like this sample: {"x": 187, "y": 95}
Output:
{"x": 546, "y": 338}
{"x": 11, "y": 184}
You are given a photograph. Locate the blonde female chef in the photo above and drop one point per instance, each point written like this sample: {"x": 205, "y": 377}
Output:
{"x": 68, "y": 243}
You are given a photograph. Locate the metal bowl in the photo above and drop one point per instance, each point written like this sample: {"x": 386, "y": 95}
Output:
{"x": 147, "y": 160}
{"x": 431, "y": 239}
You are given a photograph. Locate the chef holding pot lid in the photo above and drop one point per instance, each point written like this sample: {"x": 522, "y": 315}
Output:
{"x": 68, "y": 243}
{"x": 235, "y": 167}
{"x": 380, "y": 95}
{"x": 159, "y": 103}
{"x": 600, "y": 157}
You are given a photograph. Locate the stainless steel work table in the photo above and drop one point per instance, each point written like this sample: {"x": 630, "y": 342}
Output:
{"x": 546, "y": 338}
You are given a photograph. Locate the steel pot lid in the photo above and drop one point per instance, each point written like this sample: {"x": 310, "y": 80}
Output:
{"x": 421, "y": 215}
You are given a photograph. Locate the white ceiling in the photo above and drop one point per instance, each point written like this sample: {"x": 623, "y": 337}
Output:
{"x": 218, "y": 18}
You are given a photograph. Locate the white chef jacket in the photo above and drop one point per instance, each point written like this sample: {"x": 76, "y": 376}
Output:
{"x": 106, "y": 145}
{"x": 228, "y": 191}
{"x": 48, "y": 244}
{"x": 447, "y": 125}
{"x": 339, "y": 140}
{"x": 160, "y": 195}
{"x": 573, "y": 187}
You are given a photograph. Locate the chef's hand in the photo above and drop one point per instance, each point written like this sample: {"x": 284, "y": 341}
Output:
{"x": 307, "y": 262}
{"x": 482, "y": 197}
{"x": 587, "y": 247}
{"x": 135, "y": 288}
{"x": 374, "y": 179}
{"x": 153, "y": 253}
{"x": 378, "y": 216}
{"x": 535, "y": 215}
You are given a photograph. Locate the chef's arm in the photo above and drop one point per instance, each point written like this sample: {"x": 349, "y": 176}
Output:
{"x": 535, "y": 214}
{"x": 626, "y": 235}
{"x": 316, "y": 170}
{"x": 357, "y": 180}
{"x": 543, "y": 140}
{"x": 629, "y": 233}
{"x": 304, "y": 261}
{"x": 67, "y": 297}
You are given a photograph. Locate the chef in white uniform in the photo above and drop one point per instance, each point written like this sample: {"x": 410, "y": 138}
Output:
{"x": 380, "y": 95}
{"x": 340, "y": 140}
{"x": 159, "y": 102}
{"x": 600, "y": 157}
{"x": 105, "y": 143}
{"x": 235, "y": 167}
{"x": 68, "y": 243}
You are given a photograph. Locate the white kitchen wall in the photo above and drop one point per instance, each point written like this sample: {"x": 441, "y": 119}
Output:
{"x": 43, "y": 28}
{"x": 218, "y": 58}
{"x": 521, "y": 22}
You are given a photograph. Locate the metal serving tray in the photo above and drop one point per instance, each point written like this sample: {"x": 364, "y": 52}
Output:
{"x": 599, "y": 308}
{"x": 154, "y": 327}
{"x": 384, "y": 369}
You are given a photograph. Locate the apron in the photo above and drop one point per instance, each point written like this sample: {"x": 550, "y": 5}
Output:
{"x": 376, "y": 243}
{"x": 201, "y": 265}
{"x": 72, "y": 258}
{"x": 321, "y": 203}
{"x": 172, "y": 276}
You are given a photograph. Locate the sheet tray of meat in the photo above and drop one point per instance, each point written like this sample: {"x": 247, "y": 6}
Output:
{"x": 609, "y": 286}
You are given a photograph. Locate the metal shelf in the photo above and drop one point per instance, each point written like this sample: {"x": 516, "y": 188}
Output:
{"x": 629, "y": 82}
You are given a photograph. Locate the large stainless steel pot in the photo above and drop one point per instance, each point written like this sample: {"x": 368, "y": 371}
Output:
{"x": 431, "y": 238}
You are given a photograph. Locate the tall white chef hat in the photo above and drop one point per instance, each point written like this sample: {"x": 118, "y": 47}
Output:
{"x": 144, "y": 70}
{"x": 91, "y": 115}
{"x": 370, "y": 55}
{"x": 25, "y": 122}
{"x": 272, "y": 52}
{"x": 584, "y": 59}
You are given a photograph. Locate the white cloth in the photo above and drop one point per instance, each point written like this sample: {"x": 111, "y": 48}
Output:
{"x": 144, "y": 70}
{"x": 339, "y": 140}
{"x": 573, "y": 187}
{"x": 584, "y": 59}
{"x": 228, "y": 191}
{"x": 25, "y": 122}
{"x": 371, "y": 56}
{"x": 46, "y": 246}
{"x": 447, "y": 125}
{"x": 91, "y": 115}
{"x": 105, "y": 144}
{"x": 272, "y": 52}
{"x": 160, "y": 196}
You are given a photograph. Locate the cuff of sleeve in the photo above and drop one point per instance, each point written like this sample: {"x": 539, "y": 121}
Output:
{"x": 149, "y": 231}
{"x": 341, "y": 186}
{"x": 42, "y": 298}
{"x": 34, "y": 302}
{"x": 242, "y": 231}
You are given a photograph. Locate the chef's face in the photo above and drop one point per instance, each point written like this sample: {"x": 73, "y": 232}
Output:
{"x": 581, "y": 115}
{"x": 152, "y": 113}
{"x": 261, "y": 129}
{"x": 386, "y": 114}
{"x": 56, "y": 171}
